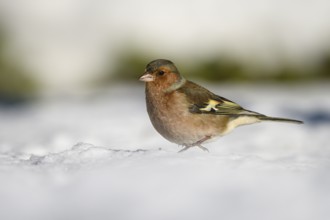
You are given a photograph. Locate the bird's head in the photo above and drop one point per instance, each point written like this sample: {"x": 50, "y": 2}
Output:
{"x": 162, "y": 73}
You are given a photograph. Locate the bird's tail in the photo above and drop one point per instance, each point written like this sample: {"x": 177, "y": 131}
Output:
{"x": 266, "y": 118}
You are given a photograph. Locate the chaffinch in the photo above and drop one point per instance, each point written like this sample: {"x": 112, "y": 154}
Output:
{"x": 188, "y": 114}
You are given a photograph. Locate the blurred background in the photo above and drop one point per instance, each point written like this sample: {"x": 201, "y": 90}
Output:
{"x": 76, "y": 141}
{"x": 68, "y": 45}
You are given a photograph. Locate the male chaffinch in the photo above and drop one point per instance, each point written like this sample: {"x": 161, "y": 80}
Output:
{"x": 188, "y": 114}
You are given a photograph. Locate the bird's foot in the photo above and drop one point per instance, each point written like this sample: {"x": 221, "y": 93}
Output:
{"x": 197, "y": 144}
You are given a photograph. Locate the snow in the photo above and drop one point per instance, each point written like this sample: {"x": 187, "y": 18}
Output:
{"x": 96, "y": 156}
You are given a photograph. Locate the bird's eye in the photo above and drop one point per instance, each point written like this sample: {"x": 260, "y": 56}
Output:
{"x": 161, "y": 72}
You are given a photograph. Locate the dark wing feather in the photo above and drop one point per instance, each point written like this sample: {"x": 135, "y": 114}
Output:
{"x": 205, "y": 102}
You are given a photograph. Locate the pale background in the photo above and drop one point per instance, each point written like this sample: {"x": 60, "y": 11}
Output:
{"x": 76, "y": 141}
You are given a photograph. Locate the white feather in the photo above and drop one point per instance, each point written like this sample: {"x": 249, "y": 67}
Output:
{"x": 243, "y": 120}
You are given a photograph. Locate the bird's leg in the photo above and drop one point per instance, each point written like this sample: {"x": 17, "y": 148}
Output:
{"x": 185, "y": 147}
{"x": 197, "y": 143}
{"x": 203, "y": 148}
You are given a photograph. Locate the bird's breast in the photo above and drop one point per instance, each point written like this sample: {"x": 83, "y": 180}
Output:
{"x": 170, "y": 116}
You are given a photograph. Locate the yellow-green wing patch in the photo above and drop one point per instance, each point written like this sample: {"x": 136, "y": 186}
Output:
{"x": 220, "y": 106}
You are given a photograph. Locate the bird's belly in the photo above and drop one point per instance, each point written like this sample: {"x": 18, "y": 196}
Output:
{"x": 187, "y": 128}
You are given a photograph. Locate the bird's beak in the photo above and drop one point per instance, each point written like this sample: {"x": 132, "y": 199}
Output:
{"x": 147, "y": 77}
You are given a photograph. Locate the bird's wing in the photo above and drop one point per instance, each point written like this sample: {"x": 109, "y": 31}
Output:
{"x": 202, "y": 101}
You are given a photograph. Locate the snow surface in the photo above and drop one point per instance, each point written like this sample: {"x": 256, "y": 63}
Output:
{"x": 96, "y": 156}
